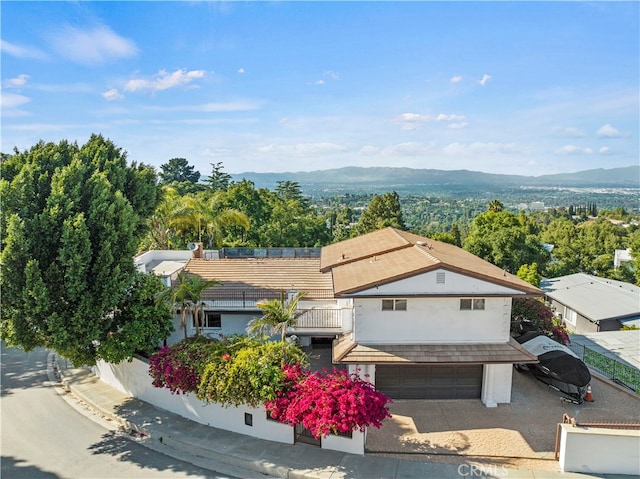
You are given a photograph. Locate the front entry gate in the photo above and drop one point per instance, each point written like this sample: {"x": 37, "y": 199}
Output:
{"x": 302, "y": 434}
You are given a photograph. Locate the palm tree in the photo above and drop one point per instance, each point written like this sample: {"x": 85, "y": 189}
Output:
{"x": 277, "y": 317}
{"x": 495, "y": 206}
{"x": 201, "y": 214}
{"x": 185, "y": 297}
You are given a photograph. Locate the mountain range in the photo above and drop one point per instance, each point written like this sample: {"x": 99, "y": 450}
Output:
{"x": 413, "y": 180}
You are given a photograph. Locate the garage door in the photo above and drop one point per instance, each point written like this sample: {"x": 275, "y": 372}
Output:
{"x": 430, "y": 382}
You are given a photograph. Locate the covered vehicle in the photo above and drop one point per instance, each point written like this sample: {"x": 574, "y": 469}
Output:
{"x": 558, "y": 366}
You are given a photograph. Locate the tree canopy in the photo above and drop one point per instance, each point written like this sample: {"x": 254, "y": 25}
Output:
{"x": 383, "y": 210}
{"x": 71, "y": 217}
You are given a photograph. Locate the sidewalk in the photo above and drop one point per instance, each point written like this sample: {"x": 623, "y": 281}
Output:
{"x": 217, "y": 449}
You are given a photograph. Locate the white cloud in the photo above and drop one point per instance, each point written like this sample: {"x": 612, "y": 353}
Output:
{"x": 331, "y": 74}
{"x": 239, "y": 105}
{"x": 571, "y": 132}
{"x": 368, "y": 150}
{"x": 480, "y": 148}
{"x": 412, "y": 121}
{"x": 302, "y": 149}
{"x": 11, "y": 100}
{"x": 94, "y": 46}
{"x": 164, "y": 80}
{"x": 240, "y": 70}
{"x": 604, "y": 150}
{"x": 485, "y": 79}
{"x": 17, "y": 82}
{"x": 456, "y": 79}
{"x": 21, "y": 51}
{"x": 408, "y": 148}
{"x": 112, "y": 94}
{"x": 608, "y": 131}
{"x": 442, "y": 117}
{"x": 574, "y": 150}
{"x": 458, "y": 126}
{"x": 319, "y": 82}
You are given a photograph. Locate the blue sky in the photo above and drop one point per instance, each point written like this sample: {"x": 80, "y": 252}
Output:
{"x": 526, "y": 88}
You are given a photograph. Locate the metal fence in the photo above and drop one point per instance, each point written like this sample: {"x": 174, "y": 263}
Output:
{"x": 618, "y": 372}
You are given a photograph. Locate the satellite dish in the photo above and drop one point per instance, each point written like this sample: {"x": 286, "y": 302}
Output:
{"x": 192, "y": 246}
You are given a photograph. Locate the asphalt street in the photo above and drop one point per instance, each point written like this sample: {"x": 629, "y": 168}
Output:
{"x": 43, "y": 436}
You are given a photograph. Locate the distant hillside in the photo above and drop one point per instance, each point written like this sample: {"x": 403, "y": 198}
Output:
{"x": 372, "y": 179}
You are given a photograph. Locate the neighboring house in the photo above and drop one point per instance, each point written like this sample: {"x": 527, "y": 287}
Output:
{"x": 423, "y": 319}
{"x": 163, "y": 263}
{"x": 622, "y": 256}
{"x": 588, "y": 303}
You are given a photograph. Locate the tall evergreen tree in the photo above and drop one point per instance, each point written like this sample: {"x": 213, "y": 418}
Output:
{"x": 73, "y": 215}
{"x": 383, "y": 210}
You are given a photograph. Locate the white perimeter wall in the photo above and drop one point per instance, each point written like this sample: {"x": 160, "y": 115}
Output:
{"x": 133, "y": 378}
{"x": 432, "y": 320}
{"x": 599, "y": 451}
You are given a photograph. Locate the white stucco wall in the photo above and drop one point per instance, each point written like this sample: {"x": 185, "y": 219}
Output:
{"x": 431, "y": 320}
{"x": 352, "y": 445}
{"x": 496, "y": 384}
{"x": 132, "y": 378}
{"x": 599, "y": 451}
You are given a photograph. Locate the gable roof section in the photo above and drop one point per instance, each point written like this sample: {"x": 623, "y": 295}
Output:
{"x": 301, "y": 274}
{"x": 346, "y": 351}
{"x": 388, "y": 255}
{"x": 594, "y": 298}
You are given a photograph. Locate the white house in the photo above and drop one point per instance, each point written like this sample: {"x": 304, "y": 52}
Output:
{"x": 423, "y": 319}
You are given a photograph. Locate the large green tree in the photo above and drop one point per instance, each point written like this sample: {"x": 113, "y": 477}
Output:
{"x": 383, "y": 210}
{"x": 181, "y": 175}
{"x": 506, "y": 240}
{"x": 72, "y": 215}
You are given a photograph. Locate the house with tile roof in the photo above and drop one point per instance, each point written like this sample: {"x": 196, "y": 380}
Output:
{"x": 422, "y": 318}
{"x": 589, "y": 304}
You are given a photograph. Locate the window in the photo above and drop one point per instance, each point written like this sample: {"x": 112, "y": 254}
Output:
{"x": 394, "y": 305}
{"x": 248, "y": 419}
{"x": 570, "y": 316}
{"x": 210, "y": 320}
{"x": 468, "y": 304}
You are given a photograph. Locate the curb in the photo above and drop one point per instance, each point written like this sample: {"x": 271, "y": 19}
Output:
{"x": 68, "y": 387}
{"x": 204, "y": 458}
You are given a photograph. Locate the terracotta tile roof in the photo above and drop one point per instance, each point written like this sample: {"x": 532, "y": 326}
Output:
{"x": 302, "y": 274}
{"x": 389, "y": 254}
{"x": 347, "y": 351}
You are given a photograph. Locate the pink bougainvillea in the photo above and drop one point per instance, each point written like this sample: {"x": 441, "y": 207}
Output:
{"x": 334, "y": 402}
{"x": 170, "y": 371}
{"x": 561, "y": 334}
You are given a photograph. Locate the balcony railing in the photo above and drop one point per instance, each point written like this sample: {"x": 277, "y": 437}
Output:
{"x": 220, "y": 297}
{"x": 319, "y": 318}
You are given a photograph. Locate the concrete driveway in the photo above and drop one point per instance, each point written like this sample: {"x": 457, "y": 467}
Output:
{"x": 521, "y": 434}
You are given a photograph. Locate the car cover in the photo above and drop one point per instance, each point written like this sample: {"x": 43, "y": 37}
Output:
{"x": 555, "y": 359}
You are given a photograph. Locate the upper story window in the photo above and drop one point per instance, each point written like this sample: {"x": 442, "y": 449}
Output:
{"x": 394, "y": 305}
{"x": 211, "y": 320}
{"x": 469, "y": 304}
